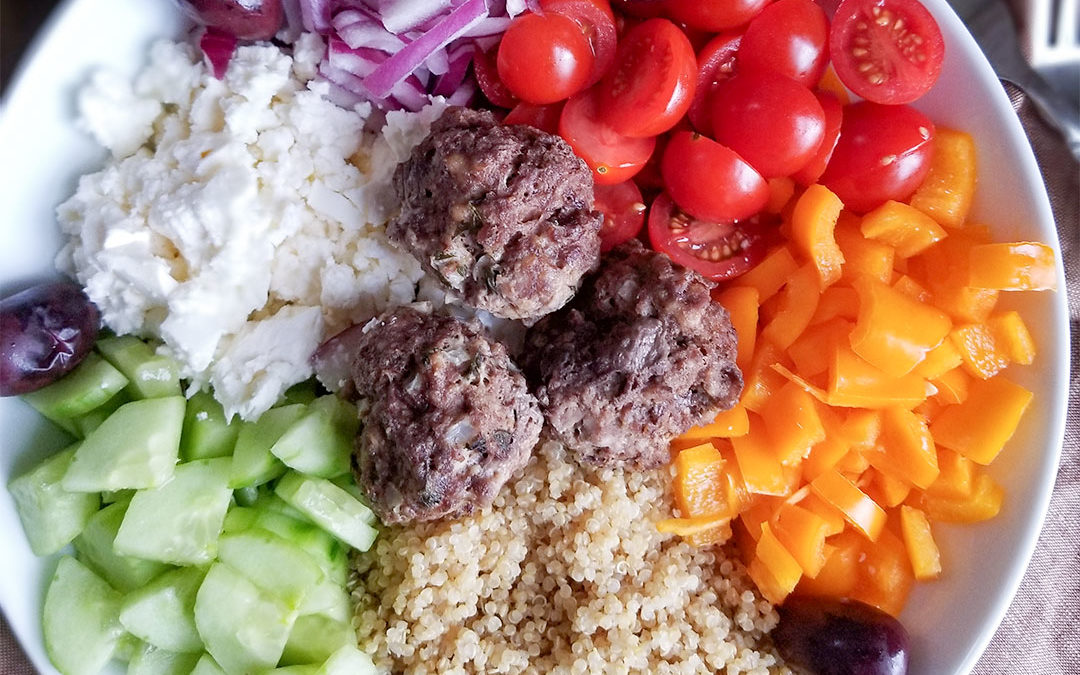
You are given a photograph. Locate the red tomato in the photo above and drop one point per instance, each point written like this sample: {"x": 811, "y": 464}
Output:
{"x": 487, "y": 76}
{"x": 772, "y": 121}
{"x": 612, "y": 156}
{"x": 790, "y": 37}
{"x": 624, "y": 213}
{"x": 886, "y": 51}
{"x": 716, "y": 250}
{"x": 883, "y": 153}
{"x": 710, "y": 181}
{"x": 544, "y": 58}
{"x": 716, "y": 63}
{"x": 543, "y": 117}
{"x": 714, "y": 15}
{"x": 643, "y": 9}
{"x": 834, "y": 115}
{"x": 597, "y": 21}
{"x": 651, "y": 84}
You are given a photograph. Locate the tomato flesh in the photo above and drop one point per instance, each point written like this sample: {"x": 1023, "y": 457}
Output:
{"x": 651, "y": 84}
{"x": 623, "y": 210}
{"x": 612, "y": 156}
{"x": 834, "y": 115}
{"x": 716, "y": 250}
{"x": 714, "y": 15}
{"x": 543, "y": 117}
{"x": 710, "y": 181}
{"x": 544, "y": 58}
{"x": 716, "y": 63}
{"x": 487, "y": 77}
{"x": 886, "y": 51}
{"x": 883, "y": 153}
{"x": 597, "y": 22}
{"x": 772, "y": 121}
{"x": 790, "y": 37}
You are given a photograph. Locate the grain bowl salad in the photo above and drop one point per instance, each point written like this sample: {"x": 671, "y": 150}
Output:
{"x": 516, "y": 337}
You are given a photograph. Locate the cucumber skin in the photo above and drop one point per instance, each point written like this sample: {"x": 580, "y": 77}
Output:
{"x": 80, "y": 619}
{"x": 89, "y": 385}
{"x": 51, "y": 516}
{"x": 206, "y": 433}
{"x": 329, "y": 507}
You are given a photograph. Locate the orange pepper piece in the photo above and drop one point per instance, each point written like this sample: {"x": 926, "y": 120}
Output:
{"x": 984, "y": 356}
{"x": 863, "y": 257}
{"x": 832, "y": 515}
{"x": 885, "y": 574}
{"x": 781, "y": 190}
{"x": 698, "y": 482}
{"x": 939, "y": 360}
{"x": 836, "y": 302}
{"x": 742, "y": 303}
{"x": 824, "y": 456}
{"x": 952, "y": 386}
{"x": 839, "y": 574}
{"x": 944, "y": 270}
{"x": 957, "y": 476}
{"x": 949, "y": 187}
{"x": 782, "y": 566}
{"x": 1010, "y": 331}
{"x": 727, "y": 423}
{"x": 905, "y": 228}
{"x": 761, "y": 380}
{"x": 979, "y": 427}
{"x": 810, "y": 351}
{"x": 906, "y": 451}
{"x": 792, "y": 423}
{"x": 771, "y": 273}
{"x": 1015, "y": 266}
{"x": 858, "y": 509}
{"x": 797, "y": 302}
{"x": 983, "y": 503}
{"x": 893, "y": 331}
{"x": 854, "y": 383}
{"x": 812, "y": 225}
{"x": 911, "y": 288}
{"x": 919, "y": 541}
{"x": 760, "y": 468}
{"x": 803, "y": 534}
{"x": 887, "y": 490}
{"x": 698, "y": 525}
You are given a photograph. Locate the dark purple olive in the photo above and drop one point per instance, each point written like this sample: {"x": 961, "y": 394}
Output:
{"x": 840, "y": 637}
{"x": 45, "y": 331}
{"x": 246, "y": 19}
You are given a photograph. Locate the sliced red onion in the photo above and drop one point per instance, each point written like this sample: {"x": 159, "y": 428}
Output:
{"x": 294, "y": 21}
{"x": 315, "y": 15}
{"x": 438, "y": 63}
{"x": 493, "y": 25}
{"x": 463, "y": 95}
{"x": 366, "y": 33}
{"x": 400, "y": 16}
{"x": 459, "y": 56}
{"x": 360, "y": 62}
{"x": 401, "y": 64}
{"x": 410, "y": 92}
{"x": 218, "y": 47}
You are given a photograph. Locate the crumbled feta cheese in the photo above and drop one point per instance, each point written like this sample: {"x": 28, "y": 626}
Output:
{"x": 234, "y": 221}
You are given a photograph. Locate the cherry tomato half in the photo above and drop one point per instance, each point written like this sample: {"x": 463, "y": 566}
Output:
{"x": 543, "y": 117}
{"x": 544, "y": 58}
{"x": 624, "y": 213}
{"x": 716, "y": 250}
{"x": 790, "y": 37}
{"x": 612, "y": 156}
{"x": 710, "y": 181}
{"x": 714, "y": 15}
{"x": 834, "y": 115}
{"x": 883, "y": 153}
{"x": 886, "y": 51}
{"x": 487, "y": 76}
{"x": 597, "y": 22}
{"x": 651, "y": 84}
{"x": 772, "y": 121}
{"x": 716, "y": 63}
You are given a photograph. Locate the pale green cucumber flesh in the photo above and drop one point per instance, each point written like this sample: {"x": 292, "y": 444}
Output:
{"x": 51, "y": 516}
{"x": 206, "y": 431}
{"x": 348, "y": 660}
{"x": 314, "y": 638}
{"x": 320, "y": 443}
{"x": 162, "y": 613}
{"x": 253, "y": 463}
{"x": 329, "y": 507}
{"x": 149, "y": 374}
{"x": 85, "y": 424}
{"x": 95, "y": 548}
{"x": 207, "y": 666}
{"x": 151, "y": 660}
{"x": 89, "y": 385}
{"x": 79, "y": 620}
{"x": 272, "y": 563}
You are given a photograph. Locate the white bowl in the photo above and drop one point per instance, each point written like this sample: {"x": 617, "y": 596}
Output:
{"x": 950, "y": 620}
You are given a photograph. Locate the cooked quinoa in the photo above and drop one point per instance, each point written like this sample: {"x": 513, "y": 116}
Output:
{"x": 564, "y": 573}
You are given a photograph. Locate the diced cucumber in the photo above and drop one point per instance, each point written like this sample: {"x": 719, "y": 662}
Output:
{"x": 51, "y": 516}
{"x": 314, "y": 638}
{"x": 151, "y": 660}
{"x": 136, "y": 447}
{"x": 239, "y": 519}
{"x": 207, "y": 666}
{"x": 113, "y": 496}
{"x": 323, "y": 548}
{"x": 244, "y": 628}
{"x": 306, "y": 669}
{"x": 84, "y": 424}
{"x": 289, "y": 576}
{"x": 320, "y": 443}
{"x": 162, "y": 613}
{"x": 180, "y": 521}
{"x": 206, "y": 431}
{"x": 348, "y": 660}
{"x": 80, "y": 621}
{"x": 253, "y": 463}
{"x": 269, "y": 501}
{"x": 89, "y": 385}
{"x": 149, "y": 374}
{"x": 94, "y": 547}
{"x": 302, "y": 392}
{"x": 246, "y": 496}
{"x": 126, "y": 647}
{"x": 329, "y": 507}
{"x": 328, "y": 599}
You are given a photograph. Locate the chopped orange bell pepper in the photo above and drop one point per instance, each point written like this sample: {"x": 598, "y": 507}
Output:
{"x": 854, "y": 383}
{"x": 840, "y": 573}
{"x": 837, "y": 301}
{"x": 781, "y": 190}
{"x": 1016, "y": 266}
{"x": 911, "y": 288}
{"x": 832, "y": 515}
{"x": 944, "y": 270}
{"x": 1010, "y": 331}
{"x": 762, "y": 380}
{"x": 699, "y": 483}
{"x": 949, "y": 187}
{"x": 893, "y": 331}
{"x": 810, "y": 353}
{"x": 886, "y": 576}
{"x": 853, "y": 463}
{"x": 984, "y": 356}
{"x": 957, "y": 476}
{"x": 741, "y": 302}
{"x": 905, "y": 228}
{"x": 797, "y": 302}
{"x": 771, "y": 273}
{"x": 979, "y": 427}
{"x": 906, "y": 450}
{"x": 863, "y": 257}
{"x": 706, "y": 529}
{"x": 803, "y": 534}
{"x": 812, "y": 224}
{"x": 861, "y": 428}
{"x": 858, "y": 509}
{"x": 983, "y": 503}
{"x": 919, "y": 541}
{"x": 824, "y": 455}
{"x": 792, "y": 423}
{"x": 782, "y": 566}
{"x": 887, "y": 490}
{"x": 761, "y": 469}
{"x": 952, "y": 386}
{"x": 939, "y": 360}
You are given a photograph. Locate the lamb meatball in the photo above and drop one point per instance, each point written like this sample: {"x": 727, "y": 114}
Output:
{"x": 641, "y": 355}
{"x": 448, "y": 416}
{"x": 501, "y": 215}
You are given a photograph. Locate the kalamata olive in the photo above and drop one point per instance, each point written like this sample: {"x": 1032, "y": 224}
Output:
{"x": 45, "y": 331}
{"x": 829, "y": 636}
{"x": 246, "y": 19}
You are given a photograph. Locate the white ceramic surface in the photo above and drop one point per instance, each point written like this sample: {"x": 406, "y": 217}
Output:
{"x": 950, "y": 620}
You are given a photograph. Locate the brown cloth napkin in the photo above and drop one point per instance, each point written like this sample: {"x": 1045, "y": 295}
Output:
{"x": 1040, "y": 634}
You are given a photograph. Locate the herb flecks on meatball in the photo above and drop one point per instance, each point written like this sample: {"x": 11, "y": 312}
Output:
{"x": 501, "y": 215}
{"x": 641, "y": 355}
{"x": 448, "y": 416}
